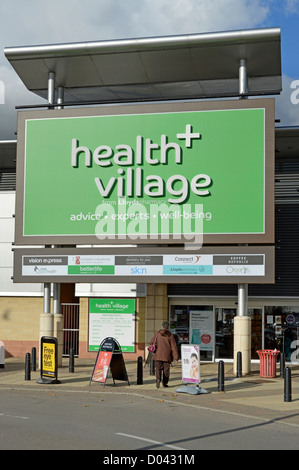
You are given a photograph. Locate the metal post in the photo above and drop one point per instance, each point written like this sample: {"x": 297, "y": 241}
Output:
{"x": 282, "y": 363}
{"x": 72, "y": 361}
{"x": 60, "y": 97}
{"x": 243, "y": 82}
{"x": 221, "y": 376}
{"x": 33, "y": 354}
{"x": 139, "y": 371}
{"x": 239, "y": 364}
{"x": 56, "y": 298}
{"x": 51, "y": 87}
{"x": 242, "y": 299}
{"x": 287, "y": 385}
{"x": 47, "y": 297}
{"x": 27, "y": 367}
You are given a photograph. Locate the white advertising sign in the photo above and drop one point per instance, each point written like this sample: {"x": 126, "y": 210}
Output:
{"x": 190, "y": 357}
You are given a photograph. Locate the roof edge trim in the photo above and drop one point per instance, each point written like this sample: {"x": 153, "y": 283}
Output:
{"x": 141, "y": 44}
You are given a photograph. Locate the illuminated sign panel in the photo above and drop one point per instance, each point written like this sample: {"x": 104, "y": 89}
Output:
{"x": 167, "y": 173}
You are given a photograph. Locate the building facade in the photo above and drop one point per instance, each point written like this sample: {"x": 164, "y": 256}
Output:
{"x": 200, "y": 313}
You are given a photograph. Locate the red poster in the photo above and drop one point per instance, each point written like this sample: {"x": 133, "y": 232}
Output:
{"x": 102, "y": 365}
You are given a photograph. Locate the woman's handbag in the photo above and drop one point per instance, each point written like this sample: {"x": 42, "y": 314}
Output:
{"x": 153, "y": 346}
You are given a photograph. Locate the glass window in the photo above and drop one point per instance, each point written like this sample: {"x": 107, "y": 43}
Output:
{"x": 256, "y": 331}
{"x": 193, "y": 324}
{"x": 281, "y": 329}
{"x": 179, "y": 324}
{"x": 224, "y": 332}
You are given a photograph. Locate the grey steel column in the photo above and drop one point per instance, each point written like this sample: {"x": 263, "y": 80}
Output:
{"x": 242, "y": 299}
{"x": 47, "y": 286}
{"x": 56, "y": 286}
{"x": 51, "y": 87}
{"x": 60, "y": 97}
{"x": 243, "y": 81}
{"x": 47, "y": 297}
{"x": 56, "y": 298}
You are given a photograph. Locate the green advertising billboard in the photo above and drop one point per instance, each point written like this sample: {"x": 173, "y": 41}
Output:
{"x": 151, "y": 173}
{"x": 112, "y": 317}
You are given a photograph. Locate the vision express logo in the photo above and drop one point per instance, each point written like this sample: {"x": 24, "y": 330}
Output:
{"x": 45, "y": 260}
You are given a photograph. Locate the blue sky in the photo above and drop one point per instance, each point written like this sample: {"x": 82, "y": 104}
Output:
{"x": 59, "y": 21}
{"x": 288, "y": 20}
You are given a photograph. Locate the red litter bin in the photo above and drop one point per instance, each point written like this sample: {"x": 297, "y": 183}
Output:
{"x": 268, "y": 358}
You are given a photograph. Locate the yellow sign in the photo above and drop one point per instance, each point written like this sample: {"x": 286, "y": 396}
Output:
{"x": 48, "y": 358}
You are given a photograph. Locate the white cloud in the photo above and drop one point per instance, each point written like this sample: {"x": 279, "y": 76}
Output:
{"x": 287, "y": 110}
{"x": 43, "y": 22}
{"x": 292, "y": 6}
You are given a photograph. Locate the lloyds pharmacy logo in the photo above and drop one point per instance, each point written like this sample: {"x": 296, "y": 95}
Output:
{"x": 295, "y": 93}
{"x": 2, "y": 92}
{"x": 133, "y": 220}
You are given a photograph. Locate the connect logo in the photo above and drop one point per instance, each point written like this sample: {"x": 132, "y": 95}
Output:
{"x": 188, "y": 259}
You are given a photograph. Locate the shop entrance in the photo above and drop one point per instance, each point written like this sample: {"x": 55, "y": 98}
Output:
{"x": 224, "y": 331}
{"x": 281, "y": 327}
{"x": 194, "y": 324}
{"x": 212, "y": 327}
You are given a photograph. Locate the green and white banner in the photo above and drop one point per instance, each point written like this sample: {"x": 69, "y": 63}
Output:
{"x": 253, "y": 264}
{"x": 112, "y": 317}
{"x": 145, "y": 176}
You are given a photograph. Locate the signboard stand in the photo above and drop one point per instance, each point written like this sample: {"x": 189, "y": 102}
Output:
{"x": 49, "y": 361}
{"x": 109, "y": 356}
{"x": 191, "y": 370}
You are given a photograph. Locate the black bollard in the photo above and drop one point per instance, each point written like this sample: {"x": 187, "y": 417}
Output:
{"x": 239, "y": 364}
{"x": 33, "y": 355}
{"x": 27, "y": 367}
{"x": 287, "y": 385}
{"x": 71, "y": 361}
{"x": 139, "y": 371}
{"x": 152, "y": 365}
{"x": 221, "y": 376}
{"x": 282, "y": 363}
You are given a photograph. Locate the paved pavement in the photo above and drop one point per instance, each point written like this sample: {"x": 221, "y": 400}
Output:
{"x": 251, "y": 395}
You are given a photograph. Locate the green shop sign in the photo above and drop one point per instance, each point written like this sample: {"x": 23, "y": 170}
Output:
{"x": 147, "y": 174}
{"x": 112, "y": 317}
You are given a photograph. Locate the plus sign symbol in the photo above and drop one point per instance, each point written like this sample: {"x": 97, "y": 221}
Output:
{"x": 188, "y": 136}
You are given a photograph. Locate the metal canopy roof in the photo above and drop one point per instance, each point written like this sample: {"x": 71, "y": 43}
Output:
{"x": 159, "y": 68}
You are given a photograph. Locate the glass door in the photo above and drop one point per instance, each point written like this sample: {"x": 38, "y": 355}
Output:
{"x": 193, "y": 324}
{"x": 224, "y": 331}
{"x": 281, "y": 330}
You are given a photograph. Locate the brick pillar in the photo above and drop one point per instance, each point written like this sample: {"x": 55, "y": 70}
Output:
{"x": 242, "y": 343}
